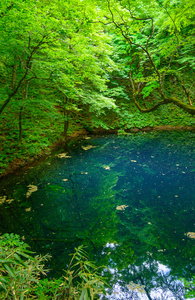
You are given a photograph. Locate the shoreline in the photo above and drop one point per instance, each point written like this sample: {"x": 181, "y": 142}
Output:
{"x": 20, "y": 164}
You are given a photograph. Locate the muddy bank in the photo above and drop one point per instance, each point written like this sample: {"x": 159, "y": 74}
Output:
{"x": 144, "y": 129}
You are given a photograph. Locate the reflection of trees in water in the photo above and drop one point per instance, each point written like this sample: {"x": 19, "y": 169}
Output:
{"x": 74, "y": 208}
{"x": 150, "y": 282}
{"x": 68, "y": 214}
{"x": 157, "y": 215}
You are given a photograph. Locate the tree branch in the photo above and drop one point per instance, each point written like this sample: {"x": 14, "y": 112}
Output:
{"x": 27, "y": 67}
{"x": 187, "y": 92}
{"x": 166, "y": 100}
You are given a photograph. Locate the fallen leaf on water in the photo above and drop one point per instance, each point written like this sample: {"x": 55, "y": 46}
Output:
{"x": 28, "y": 209}
{"x": 122, "y": 207}
{"x": 32, "y": 189}
{"x": 88, "y": 147}
{"x": 9, "y": 201}
{"x": 63, "y": 155}
{"x": 65, "y": 179}
{"x": 4, "y": 199}
{"x": 106, "y": 167}
{"x": 190, "y": 235}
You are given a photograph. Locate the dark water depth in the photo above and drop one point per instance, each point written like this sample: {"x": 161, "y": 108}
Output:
{"x": 128, "y": 199}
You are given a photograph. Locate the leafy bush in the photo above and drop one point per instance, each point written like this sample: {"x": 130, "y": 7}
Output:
{"x": 20, "y": 274}
{"x": 19, "y": 271}
{"x": 190, "y": 287}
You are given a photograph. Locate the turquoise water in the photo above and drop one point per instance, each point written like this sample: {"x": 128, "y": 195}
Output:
{"x": 128, "y": 199}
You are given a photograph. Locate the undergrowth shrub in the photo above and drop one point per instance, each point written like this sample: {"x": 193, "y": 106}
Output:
{"x": 22, "y": 274}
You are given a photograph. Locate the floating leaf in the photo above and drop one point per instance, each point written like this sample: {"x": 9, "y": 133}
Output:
{"x": 88, "y": 147}
{"x": 122, "y": 207}
{"x": 32, "y": 189}
{"x": 63, "y": 155}
{"x": 3, "y": 199}
{"x": 106, "y": 167}
{"x": 28, "y": 209}
{"x": 190, "y": 235}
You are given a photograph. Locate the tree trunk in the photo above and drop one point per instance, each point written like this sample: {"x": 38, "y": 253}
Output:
{"x": 20, "y": 124}
{"x": 14, "y": 76}
{"x": 66, "y": 120}
{"x": 24, "y": 97}
{"x": 66, "y": 123}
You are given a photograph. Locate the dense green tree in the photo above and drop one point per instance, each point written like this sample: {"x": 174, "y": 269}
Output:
{"x": 54, "y": 42}
{"x": 87, "y": 64}
{"x": 159, "y": 37}
{"x": 52, "y": 70}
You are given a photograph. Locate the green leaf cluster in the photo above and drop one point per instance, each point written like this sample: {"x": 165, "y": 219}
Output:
{"x": 20, "y": 274}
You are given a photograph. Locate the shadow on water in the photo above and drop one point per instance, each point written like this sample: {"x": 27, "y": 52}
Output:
{"x": 129, "y": 200}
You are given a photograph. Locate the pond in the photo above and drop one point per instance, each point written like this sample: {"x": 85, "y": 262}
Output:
{"x": 128, "y": 199}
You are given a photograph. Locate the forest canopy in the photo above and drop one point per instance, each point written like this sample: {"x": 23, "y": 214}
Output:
{"x": 67, "y": 65}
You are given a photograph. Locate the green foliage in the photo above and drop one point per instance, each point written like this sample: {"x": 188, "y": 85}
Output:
{"x": 20, "y": 274}
{"x": 121, "y": 132}
{"x": 190, "y": 287}
{"x": 18, "y": 269}
{"x": 91, "y": 283}
{"x": 85, "y": 64}
{"x": 154, "y": 44}
{"x": 148, "y": 89}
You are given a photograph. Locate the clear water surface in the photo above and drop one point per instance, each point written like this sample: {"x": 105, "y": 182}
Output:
{"x": 128, "y": 199}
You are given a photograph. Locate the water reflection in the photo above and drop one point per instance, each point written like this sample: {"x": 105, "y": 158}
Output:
{"x": 150, "y": 280}
{"x": 129, "y": 200}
